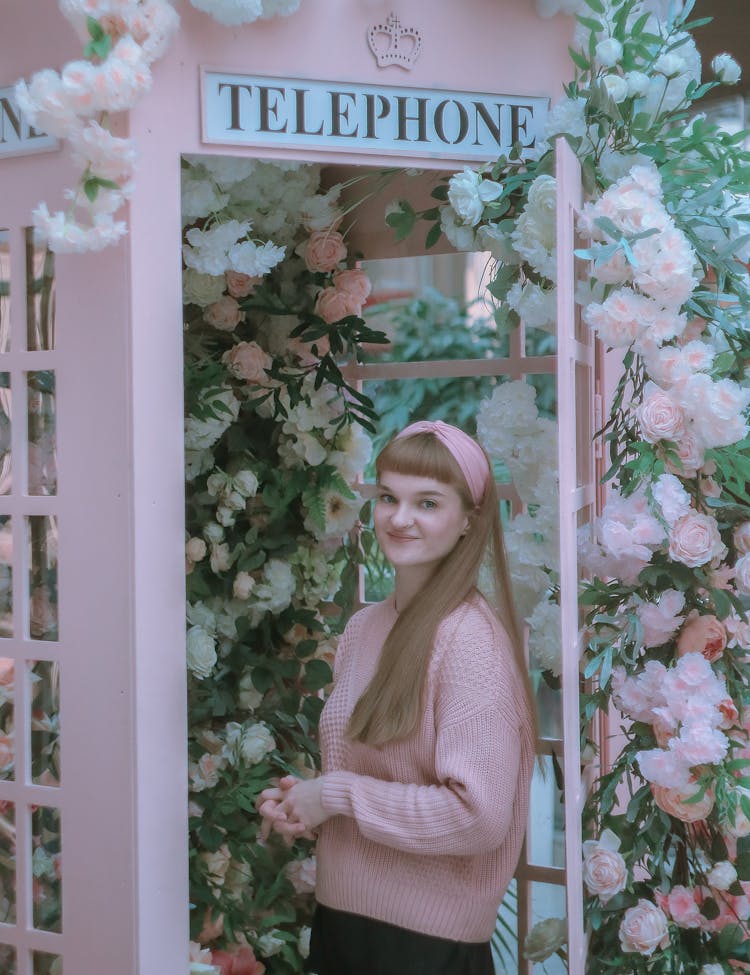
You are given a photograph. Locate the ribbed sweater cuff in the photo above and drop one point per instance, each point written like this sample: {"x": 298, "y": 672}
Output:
{"x": 337, "y": 793}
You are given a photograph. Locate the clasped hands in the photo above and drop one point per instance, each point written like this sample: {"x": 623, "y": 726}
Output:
{"x": 293, "y": 808}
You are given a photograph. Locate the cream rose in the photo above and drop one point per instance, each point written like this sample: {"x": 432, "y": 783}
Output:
{"x": 644, "y": 928}
{"x": 545, "y": 938}
{"x": 257, "y": 741}
{"x": 694, "y": 540}
{"x": 248, "y": 361}
{"x": 354, "y": 282}
{"x": 201, "y": 652}
{"x": 702, "y": 634}
{"x": 604, "y": 869}
{"x": 195, "y": 549}
{"x": 324, "y": 251}
{"x": 243, "y": 585}
{"x": 660, "y": 417}
{"x": 201, "y": 289}
{"x": 224, "y": 314}
{"x": 332, "y": 305}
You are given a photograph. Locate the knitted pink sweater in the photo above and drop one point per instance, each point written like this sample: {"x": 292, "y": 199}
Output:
{"x": 425, "y": 833}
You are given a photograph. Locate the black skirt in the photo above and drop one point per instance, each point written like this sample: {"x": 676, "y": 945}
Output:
{"x": 349, "y": 944}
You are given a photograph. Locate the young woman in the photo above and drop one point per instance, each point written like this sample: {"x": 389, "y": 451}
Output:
{"x": 428, "y": 737}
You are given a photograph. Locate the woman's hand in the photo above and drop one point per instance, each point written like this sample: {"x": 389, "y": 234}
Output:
{"x": 293, "y": 808}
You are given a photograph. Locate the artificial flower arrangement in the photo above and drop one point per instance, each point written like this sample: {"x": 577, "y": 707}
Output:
{"x": 275, "y": 440}
{"x": 666, "y": 863}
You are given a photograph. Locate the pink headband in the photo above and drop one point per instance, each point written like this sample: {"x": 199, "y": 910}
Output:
{"x": 466, "y": 452}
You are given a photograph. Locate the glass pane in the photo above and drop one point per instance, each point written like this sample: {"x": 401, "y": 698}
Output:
{"x": 40, "y": 294}
{"x": 505, "y": 938}
{"x": 546, "y": 839}
{"x": 8, "y": 960}
{"x": 42, "y": 433}
{"x": 4, "y": 290}
{"x": 7, "y": 748}
{"x": 548, "y": 901}
{"x": 45, "y": 722}
{"x": 7, "y": 867}
{"x": 548, "y": 705}
{"x": 43, "y": 963}
{"x": 46, "y": 869}
{"x": 6, "y": 483}
{"x": 6, "y": 577}
{"x": 42, "y": 623}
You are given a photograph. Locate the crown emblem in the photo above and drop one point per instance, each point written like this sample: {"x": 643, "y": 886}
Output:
{"x": 393, "y": 44}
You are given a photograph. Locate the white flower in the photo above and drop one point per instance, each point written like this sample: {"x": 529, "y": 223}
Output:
{"x": 722, "y": 875}
{"x": 567, "y": 118}
{"x": 231, "y": 12}
{"x": 269, "y": 944}
{"x": 468, "y": 194}
{"x": 638, "y": 83}
{"x": 243, "y": 585}
{"x": 617, "y": 87}
{"x": 462, "y": 237}
{"x": 545, "y": 636}
{"x": 256, "y": 742}
{"x": 206, "y": 250}
{"x": 726, "y": 69}
{"x": 253, "y": 259}
{"x": 201, "y": 652}
{"x": 536, "y": 306}
{"x": 303, "y": 942}
{"x": 200, "y": 198}
{"x": 671, "y": 497}
{"x": 201, "y": 434}
{"x": 712, "y": 969}
{"x": 545, "y": 938}
{"x": 608, "y": 52}
{"x": 246, "y": 483}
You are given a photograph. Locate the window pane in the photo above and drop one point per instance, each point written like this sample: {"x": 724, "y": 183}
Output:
{"x": 8, "y": 960}
{"x": 4, "y": 291}
{"x": 45, "y": 722}
{"x": 42, "y": 433}
{"x": 546, "y": 839}
{"x": 7, "y": 743}
{"x": 43, "y": 963}
{"x": 42, "y": 623}
{"x": 547, "y": 901}
{"x": 40, "y": 294}
{"x": 46, "y": 868}
{"x": 6, "y": 577}
{"x": 7, "y": 867}
{"x": 6, "y": 483}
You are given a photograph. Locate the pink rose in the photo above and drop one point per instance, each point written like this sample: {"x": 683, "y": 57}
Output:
{"x": 683, "y": 907}
{"x": 742, "y": 575}
{"x": 690, "y": 454}
{"x": 7, "y": 670}
{"x": 695, "y": 540}
{"x": 644, "y": 928}
{"x": 702, "y": 634}
{"x": 333, "y": 305}
{"x": 660, "y": 417}
{"x": 248, "y": 361}
{"x": 660, "y": 620}
{"x": 355, "y": 282}
{"x": 604, "y": 870}
{"x": 672, "y": 801}
{"x": 6, "y": 751}
{"x": 224, "y": 314}
{"x": 240, "y": 285}
{"x": 324, "y": 251}
{"x": 239, "y": 962}
{"x": 741, "y": 538}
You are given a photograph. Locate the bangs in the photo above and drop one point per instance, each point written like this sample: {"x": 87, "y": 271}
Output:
{"x": 421, "y": 455}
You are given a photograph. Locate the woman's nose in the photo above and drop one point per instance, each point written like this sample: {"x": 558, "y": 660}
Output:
{"x": 401, "y": 516}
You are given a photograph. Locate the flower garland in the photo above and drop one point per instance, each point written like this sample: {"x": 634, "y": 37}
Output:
{"x": 666, "y": 866}
{"x": 272, "y": 452}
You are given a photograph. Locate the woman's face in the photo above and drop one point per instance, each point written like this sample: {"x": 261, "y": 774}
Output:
{"x": 417, "y": 520}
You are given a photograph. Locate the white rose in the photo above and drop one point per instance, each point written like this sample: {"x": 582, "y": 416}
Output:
{"x": 246, "y": 483}
{"x": 722, "y": 876}
{"x": 608, "y": 52}
{"x": 617, "y": 87}
{"x": 638, "y": 83}
{"x": 269, "y": 944}
{"x": 201, "y": 652}
{"x": 195, "y": 549}
{"x": 213, "y": 533}
{"x": 468, "y": 193}
{"x": 712, "y": 970}
{"x": 463, "y": 238}
{"x": 221, "y": 558}
{"x": 644, "y": 928}
{"x": 545, "y": 938}
{"x": 726, "y": 69}
{"x": 249, "y": 696}
{"x": 257, "y": 741}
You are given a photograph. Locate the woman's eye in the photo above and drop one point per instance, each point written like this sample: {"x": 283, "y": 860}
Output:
{"x": 429, "y": 504}
{"x": 385, "y": 498}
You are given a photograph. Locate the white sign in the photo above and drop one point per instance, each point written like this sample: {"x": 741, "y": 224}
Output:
{"x": 17, "y": 137}
{"x": 239, "y": 109}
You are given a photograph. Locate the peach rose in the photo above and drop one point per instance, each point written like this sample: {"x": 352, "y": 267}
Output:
{"x": 224, "y": 314}
{"x": 239, "y": 962}
{"x": 660, "y": 417}
{"x": 333, "y": 305}
{"x": 355, "y": 282}
{"x": 695, "y": 540}
{"x": 324, "y": 251}
{"x": 604, "y": 870}
{"x": 240, "y": 285}
{"x": 248, "y": 361}
{"x": 702, "y": 634}
{"x": 644, "y": 928}
{"x": 672, "y": 801}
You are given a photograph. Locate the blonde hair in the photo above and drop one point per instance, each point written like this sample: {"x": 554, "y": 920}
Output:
{"x": 390, "y": 708}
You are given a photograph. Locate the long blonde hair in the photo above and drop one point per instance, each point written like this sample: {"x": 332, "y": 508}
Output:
{"x": 390, "y": 708}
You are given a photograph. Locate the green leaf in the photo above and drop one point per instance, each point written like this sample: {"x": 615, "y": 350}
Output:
{"x": 433, "y": 236}
{"x": 317, "y": 675}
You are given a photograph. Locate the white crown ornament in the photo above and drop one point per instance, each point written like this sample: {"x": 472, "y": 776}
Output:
{"x": 393, "y": 44}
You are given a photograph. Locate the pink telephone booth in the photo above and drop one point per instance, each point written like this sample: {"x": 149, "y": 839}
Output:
{"x": 93, "y": 853}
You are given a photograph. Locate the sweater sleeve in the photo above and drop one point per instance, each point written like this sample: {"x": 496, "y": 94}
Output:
{"x": 470, "y": 808}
